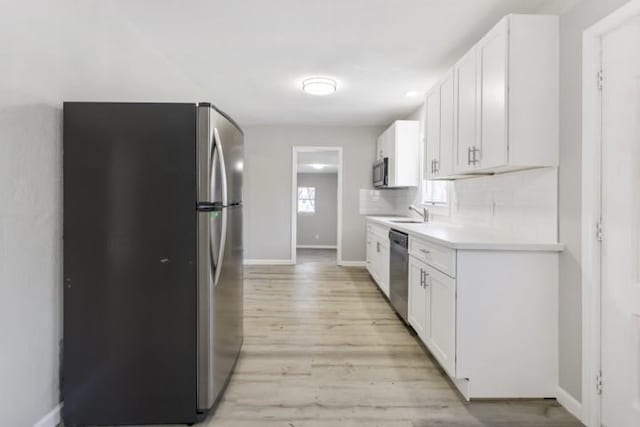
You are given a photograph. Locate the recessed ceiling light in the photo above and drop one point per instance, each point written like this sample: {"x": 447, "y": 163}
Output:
{"x": 411, "y": 94}
{"x": 318, "y": 166}
{"x": 319, "y": 86}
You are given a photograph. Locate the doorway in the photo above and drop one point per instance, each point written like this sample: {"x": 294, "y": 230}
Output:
{"x": 316, "y": 201}
{"x": 611, "y": 217}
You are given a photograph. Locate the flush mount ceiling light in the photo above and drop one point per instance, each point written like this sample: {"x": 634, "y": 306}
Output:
{"x": 411, "y": 94}
{"x": 319, "y": 86}
{"x": 318, "y": 166}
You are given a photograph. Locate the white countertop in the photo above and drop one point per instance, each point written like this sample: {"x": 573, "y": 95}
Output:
{"x": 464, "y": 237}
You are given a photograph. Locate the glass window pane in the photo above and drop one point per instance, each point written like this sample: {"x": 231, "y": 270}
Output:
{"x": 435, "y": 192}
{"x": 306, "y": 199}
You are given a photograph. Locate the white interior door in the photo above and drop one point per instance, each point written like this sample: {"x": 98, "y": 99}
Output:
{"x": 620, "y": 317}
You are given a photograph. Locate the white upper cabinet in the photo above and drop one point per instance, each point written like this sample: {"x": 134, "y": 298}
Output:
{"x": 506, "y": 100}
{"x": 440, "y": 117}
{"x": 400, "y": 143}
{"x": 466, "y": 135}
{"x": 447, "y": 118}
{"x": 492, "y": 54}
{"x": 432, "y": 134}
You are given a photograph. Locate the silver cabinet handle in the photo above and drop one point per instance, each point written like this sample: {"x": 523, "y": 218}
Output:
{"x": 426, "y": 252}
{"x": 377, "y": 246}
{"x": 436, "y": 167}
{"x": 475, "y": 151}
{"x": 421, "y": 278}
{"x": 468, "y": 155}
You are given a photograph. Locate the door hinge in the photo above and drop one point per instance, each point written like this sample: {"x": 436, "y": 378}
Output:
{"x": 599, "y": 382}
{"x": 599, "y": 232}
{"x": 600, "y": 79}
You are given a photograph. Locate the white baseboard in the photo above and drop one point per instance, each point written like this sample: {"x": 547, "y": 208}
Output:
{"x": 268, "y": 262}
{"x": 316, "y": 247}
{"x": 52, "y": 419}
{"x": 569, "y": 403}
{"x": 353, "y": 263}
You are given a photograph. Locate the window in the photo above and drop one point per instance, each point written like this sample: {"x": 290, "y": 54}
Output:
{"x": 306, "y": 200}
{"x": 435, "y": 193}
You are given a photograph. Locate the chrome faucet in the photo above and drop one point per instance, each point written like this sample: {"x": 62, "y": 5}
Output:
{"x": 424, "y": 213}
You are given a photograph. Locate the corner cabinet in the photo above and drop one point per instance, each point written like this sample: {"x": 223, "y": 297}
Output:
{"x": 489, "y": 317}
{"x": 400, "y": 143}
{"x": 498, "y": 109}
{"x": 378, "y": 255}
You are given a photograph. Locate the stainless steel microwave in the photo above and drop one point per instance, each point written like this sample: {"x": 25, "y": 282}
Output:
{"x": 381, "y": 173}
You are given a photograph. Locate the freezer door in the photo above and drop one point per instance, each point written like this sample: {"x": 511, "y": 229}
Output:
{"x": 220, "y": 158}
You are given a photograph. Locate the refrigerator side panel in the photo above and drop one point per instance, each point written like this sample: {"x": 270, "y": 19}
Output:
{"x": 130, "y": 296}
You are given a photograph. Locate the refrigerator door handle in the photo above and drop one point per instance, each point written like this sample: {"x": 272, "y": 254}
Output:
{"x": 223, "y": 233}
{"x": 217, "y": 149}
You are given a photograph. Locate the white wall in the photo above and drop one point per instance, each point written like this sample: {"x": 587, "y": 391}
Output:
{"x": 51, "y": 51}
{"x": 572, "y": 25}
{"x": 321, "y": 227}
{"x": 267, "y": 185}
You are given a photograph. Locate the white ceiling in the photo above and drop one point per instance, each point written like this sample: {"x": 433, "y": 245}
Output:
{"x": 246, "y": 56}
{"x": 328, "y": 159}
{"x": 250, "y": 56}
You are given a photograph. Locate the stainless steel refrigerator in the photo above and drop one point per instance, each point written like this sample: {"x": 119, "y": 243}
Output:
{"x": 153, "y": 276}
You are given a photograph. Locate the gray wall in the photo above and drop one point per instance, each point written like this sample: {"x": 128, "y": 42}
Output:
{"x": 267, "y": 185}
{"x": 321, "y": 227}
{"x": 30, "y": 261}
{"x": 44, "y": 62}
{"x": 572, "y": 25}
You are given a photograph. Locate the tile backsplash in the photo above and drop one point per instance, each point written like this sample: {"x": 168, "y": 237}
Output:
{"x": 524, "y": 204}
{"x": 386, "y": 202}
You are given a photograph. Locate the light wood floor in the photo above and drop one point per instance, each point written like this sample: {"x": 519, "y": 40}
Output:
{"x": 324, "y": 349}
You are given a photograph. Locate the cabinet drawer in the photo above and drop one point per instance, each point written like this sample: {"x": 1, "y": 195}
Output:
{"x": 439, "y": 257}
{"x": 379, "y": 232}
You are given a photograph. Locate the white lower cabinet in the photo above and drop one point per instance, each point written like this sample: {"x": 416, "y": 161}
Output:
{"x": 432, "y": 311}
{"x": 378, "y": 255}
{"x": 442, "y": 322}
{"x": 418, "y": 315}
{"x": 489, "y": 317}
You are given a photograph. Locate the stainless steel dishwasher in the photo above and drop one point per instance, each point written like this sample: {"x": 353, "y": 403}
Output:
{"x": 399, "y": 272}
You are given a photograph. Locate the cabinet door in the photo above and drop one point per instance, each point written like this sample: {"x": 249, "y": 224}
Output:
{"x": 447, "y": 115}
{"x": 442, "y": 312}
{"x": 380, "y": 147}
{"x": 493, "y": 93}
{"x": 432, "y": 158}
{"x": 384, "y": 269}
{"x": 467, "y": 102}
{"x": 370, "y": 254}
{"x": 418, "y": 298}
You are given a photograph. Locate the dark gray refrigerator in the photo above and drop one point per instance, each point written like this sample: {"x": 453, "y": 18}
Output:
{"x": 153, "y": 275}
